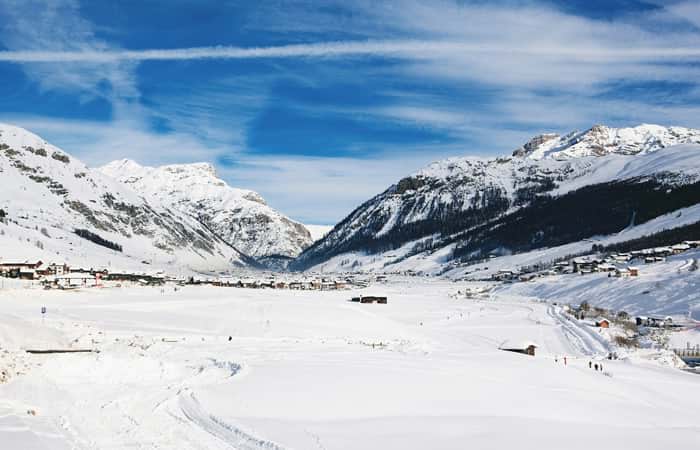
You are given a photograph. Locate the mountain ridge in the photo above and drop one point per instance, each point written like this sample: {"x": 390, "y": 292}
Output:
{"x": 49, "y": 195}
{"x": 239, "y": 216}
{"x": 436, "y": 207}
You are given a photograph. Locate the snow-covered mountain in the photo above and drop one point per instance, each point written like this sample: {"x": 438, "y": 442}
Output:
{"x": 553, "y": 190}
{"x": 47, "y": 195}
{"x": 238, "y": 216}
{"x": 601, "y": 140}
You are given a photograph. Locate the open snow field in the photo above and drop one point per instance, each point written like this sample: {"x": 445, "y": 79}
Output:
{"x": 310, "y": 370}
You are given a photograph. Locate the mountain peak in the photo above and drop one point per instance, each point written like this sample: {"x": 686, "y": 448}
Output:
{"x": 20, "y": 138}
{"x": 239, "y": 216}
{"x": 199, "y": 168}
{"x": 600, "y": 140}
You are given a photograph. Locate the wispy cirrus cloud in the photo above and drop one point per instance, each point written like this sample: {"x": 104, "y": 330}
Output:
{"x": 56, "y": 26}
{"x": 389, "y": 48}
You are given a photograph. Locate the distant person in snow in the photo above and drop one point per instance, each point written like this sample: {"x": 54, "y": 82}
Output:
{"x": 565, "y": 360}
{"x": 230, "y": 338}
{"x": 590, "y": 365}
{"x": 601, "y": 367}
{"x": 596, "y": 366}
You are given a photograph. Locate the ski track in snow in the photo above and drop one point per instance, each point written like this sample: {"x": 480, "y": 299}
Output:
{"x": 231, "y": 435}
{"x": 579, "y": 335}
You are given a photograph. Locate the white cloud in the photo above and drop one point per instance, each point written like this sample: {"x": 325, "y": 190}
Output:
{"x": 321, "y": 189}
{"x": 55, "y": 26}
{"x": 97, "y": 143}
{"x": 398, "y": 48}
{"x": 686, "y": 10}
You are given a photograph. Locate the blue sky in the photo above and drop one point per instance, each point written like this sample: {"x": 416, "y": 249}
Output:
{"x": 318, "y": 105}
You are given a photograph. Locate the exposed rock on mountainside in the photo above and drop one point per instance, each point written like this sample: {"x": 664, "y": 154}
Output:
{"x": 238, "y": 216}
{"x": 46, "y": 189}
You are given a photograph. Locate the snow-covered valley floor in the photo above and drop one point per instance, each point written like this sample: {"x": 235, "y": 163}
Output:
{"x": 310, "y": 370}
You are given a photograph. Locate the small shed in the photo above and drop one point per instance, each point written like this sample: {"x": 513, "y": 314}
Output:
{"x": 602, "y": 322}
{"x": 370, "y": 299}
{"x": 526, "y": 347}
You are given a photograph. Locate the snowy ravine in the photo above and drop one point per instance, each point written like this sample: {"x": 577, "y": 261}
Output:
{"x": 552, "y": 191}
{"x": 240, "y": 217}
{"x": 48, "y": 194}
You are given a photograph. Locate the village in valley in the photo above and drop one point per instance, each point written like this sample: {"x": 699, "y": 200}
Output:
{"x": 62, "y": 276}
{"x": 615, "y": 264}
{"x": 621, "y": 331}
{"x": 349, "y": 225}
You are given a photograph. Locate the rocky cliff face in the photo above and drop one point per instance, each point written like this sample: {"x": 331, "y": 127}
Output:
{"x": 238, "y": 216}
{"x": 552, "y": 190}
{"x": 45, "y": 188}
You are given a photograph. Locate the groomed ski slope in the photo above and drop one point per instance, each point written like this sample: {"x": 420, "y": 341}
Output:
{"x": 310, "y": 370}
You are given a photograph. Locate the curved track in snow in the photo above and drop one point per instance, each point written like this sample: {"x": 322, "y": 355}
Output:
{"x": 227, "y": 433}
{"x": 585, "y": 340}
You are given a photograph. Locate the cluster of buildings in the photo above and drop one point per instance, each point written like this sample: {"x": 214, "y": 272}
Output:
{"x": 31, "y": 270}
{"x": 54, "y": 275}
{"x": 615, "y": 264}
{"x": 60, "y": 275}
{"x": 596, "y": 317}
{"x": 302, "y": 284}
{"x": 654, "y": 322}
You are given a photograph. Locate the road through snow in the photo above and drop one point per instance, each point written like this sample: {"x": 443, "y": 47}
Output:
{"x": 586, "y": 341}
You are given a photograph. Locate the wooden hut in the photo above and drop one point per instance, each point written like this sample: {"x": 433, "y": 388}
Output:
{"x": 370, "y": 299}
{"x": 526, "y": 348}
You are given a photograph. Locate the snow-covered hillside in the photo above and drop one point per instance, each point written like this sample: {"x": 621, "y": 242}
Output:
{"x": 48, "y": 194}
{"x": 664, "y": 288}
{"x": 551, "y": 192}
{"x": 240, "y": 217}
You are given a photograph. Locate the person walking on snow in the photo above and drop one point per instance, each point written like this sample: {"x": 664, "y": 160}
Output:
{"x": 565, "y": 360}
{"x": 590, "y": 364}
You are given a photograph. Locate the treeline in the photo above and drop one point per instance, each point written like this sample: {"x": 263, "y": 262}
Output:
{"x": 479, "y": 227}
{"x": 97, "y": 239}
{"x": 593, "y": 210}
{"x": 445, "y": 219}
{"x": 662, "y": 239}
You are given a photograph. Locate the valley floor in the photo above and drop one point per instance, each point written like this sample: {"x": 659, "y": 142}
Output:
{"x": 216, "y": 368}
